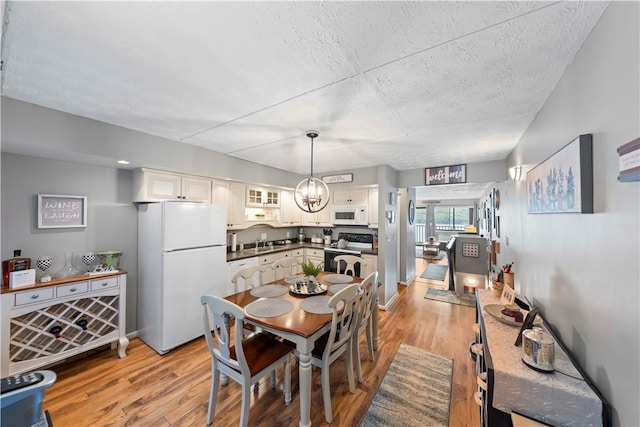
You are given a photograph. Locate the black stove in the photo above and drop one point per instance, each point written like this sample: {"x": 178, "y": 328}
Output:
{"x": 355, "y": 243}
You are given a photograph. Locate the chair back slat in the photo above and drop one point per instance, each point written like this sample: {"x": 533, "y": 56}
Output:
{"x": 368, "y": 297}
{"x": 216, "y": 314}
{"x": 344, "y": 318}
{"x": 289, "y": 264}
{"x": 247, "y": 278}
{"x": 350, "y": 263}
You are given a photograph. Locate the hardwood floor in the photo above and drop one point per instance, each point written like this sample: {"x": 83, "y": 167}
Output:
{"x": 145, "y": 389}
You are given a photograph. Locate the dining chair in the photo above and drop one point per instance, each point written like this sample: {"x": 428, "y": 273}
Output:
{"x": 244, "y": 279}
{"x": 337, "y": 341}
{"x": 368, "y": 303}
{"x": 350, "y": 261}
{"x": 288, "y": 264}
{"x": 244, "y": 359}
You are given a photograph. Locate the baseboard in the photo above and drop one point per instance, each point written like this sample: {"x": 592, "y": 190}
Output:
{"x": 409, "y": 281}
{"x": 389, "y": 303}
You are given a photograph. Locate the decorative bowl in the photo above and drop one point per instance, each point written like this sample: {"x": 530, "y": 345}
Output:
{"x": 110, "y": 258}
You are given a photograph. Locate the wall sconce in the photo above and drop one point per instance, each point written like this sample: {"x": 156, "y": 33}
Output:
{"x": 515, "y": 173}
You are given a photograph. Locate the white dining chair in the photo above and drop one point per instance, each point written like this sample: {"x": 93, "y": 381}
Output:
{"x": 350, "y": 261}
{"x": 368, "y": 303}
{"x": 290, "y": 266}
{"x": 243, "y": 280}
{"x": 244, "y": 359}
{"x": 337, "y": 341}
{"x": 248, "y": 278}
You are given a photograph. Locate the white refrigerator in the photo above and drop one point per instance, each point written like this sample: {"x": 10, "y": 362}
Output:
{"x": 181, "y": 256}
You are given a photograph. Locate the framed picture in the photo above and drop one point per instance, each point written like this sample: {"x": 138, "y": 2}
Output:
{"x": 58, "y": 211}
{"x": 440, "y": 175}
{"x": 564, "y": 182}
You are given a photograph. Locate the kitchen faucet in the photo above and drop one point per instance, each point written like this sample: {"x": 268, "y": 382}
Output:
{"x": 258, "y": 240}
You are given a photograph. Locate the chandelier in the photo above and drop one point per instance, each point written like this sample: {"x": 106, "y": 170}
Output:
{"x": 311, "y": 194}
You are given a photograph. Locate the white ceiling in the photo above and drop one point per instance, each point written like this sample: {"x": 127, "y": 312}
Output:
{"x": 407, "y": 84}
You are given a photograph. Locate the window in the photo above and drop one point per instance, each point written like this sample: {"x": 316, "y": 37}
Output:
{"x": 452, "y": 218}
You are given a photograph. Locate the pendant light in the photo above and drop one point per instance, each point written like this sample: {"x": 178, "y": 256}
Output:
{"x": 311, "y": 194}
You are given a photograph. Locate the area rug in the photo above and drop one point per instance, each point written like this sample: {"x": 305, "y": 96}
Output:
{"x": 451, "y": 297}
{"x": 435, "y": 272}
{"x": 415, "y": 391}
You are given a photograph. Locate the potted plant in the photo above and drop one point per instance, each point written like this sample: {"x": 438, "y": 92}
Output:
{"x": 311, "y": 270}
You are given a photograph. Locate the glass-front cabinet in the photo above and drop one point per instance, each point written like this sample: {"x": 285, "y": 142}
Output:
{"x": 258, "y": 197}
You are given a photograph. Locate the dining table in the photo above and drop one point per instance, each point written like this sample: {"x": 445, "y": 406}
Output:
{"x": 302, "y": 325}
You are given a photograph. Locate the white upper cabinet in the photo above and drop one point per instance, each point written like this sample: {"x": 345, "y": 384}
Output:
{"x": 373, "y": 207}
{"x": 258, "y": 197}
{"x": 231, "y": 195}
{"x": 351, "y": 196}
{"x": 290, "y": 213}
{"x": 155, "y": 186}
{"x": 318, "y": 219}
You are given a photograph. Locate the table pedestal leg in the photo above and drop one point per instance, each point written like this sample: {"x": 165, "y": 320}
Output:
{"x": 304, "y": 364}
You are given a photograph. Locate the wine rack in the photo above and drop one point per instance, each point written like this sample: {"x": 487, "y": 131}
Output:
{"x": 47, "y": 324}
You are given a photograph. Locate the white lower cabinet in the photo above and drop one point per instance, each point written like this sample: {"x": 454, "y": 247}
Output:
{"x": 372, "y": 265}
{"x": 316, "y": 256}
{"x": 46, "y": 324}
{"x": 269, "y": 275}
{"x": 281, "y": 273}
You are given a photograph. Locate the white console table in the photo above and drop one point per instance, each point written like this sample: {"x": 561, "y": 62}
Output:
{"x": 49, "y": 322}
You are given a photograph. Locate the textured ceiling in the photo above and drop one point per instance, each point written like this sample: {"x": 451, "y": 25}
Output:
{"x": 407, "y": 84}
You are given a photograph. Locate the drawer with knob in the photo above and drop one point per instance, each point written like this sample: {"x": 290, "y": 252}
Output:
{"x": 98, "y": 284}
{"x": 72, "y": 289}
{"x": 34, "y": 296}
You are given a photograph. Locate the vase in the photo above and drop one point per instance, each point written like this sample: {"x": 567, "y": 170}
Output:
{"x": 508, "y": 279}
{"x": 68, "y": 270}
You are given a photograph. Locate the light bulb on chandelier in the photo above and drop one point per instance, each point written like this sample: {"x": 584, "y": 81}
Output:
{"x": 311, "y": 194}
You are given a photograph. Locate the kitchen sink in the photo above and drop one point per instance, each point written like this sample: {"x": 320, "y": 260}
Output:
{"x": 259, "y": 250}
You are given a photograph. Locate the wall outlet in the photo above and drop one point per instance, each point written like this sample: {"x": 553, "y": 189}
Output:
{"x": 288, "y": 234}
{"x": 506, "y": 240}
{"x": 263, "y": 236}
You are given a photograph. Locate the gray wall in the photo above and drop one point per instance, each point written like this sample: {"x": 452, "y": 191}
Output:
{"x": 582, "y": 270}
{"x": 38, "y": 131}
{"x": 407, "y": 236}
{"x": 388, "y": 235}
{"x": 111, "y": 216}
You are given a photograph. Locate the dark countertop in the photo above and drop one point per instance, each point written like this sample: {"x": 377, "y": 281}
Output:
{"x": 249, "y": 253}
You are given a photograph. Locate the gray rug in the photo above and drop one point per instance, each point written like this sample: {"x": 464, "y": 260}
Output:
{"x": 435, "y": 272}
{"x": 446, "y": 295}
{"x": 415, "y": 391}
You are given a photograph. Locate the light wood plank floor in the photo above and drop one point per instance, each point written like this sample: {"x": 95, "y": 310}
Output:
{"x": 145, "y": 389}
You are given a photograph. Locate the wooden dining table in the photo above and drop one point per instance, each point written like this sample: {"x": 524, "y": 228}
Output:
{"x": 301, "y": 328}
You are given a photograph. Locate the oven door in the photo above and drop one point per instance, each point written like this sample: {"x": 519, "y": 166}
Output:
{"x": 331, "y": 265}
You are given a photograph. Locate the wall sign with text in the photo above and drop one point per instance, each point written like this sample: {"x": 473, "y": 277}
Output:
{"x": 453, "y": 174}
{"x": 57, "y": 211}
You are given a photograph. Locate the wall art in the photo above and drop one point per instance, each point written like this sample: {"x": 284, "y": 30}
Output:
{"x": 57, "y": 211}
{"x": 440, "y": 175}
{"x": 564, "y": 182}
{"x": 629, "y": 161}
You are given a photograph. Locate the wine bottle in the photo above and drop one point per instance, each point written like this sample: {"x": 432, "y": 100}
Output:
{"x": 17, "y": 263}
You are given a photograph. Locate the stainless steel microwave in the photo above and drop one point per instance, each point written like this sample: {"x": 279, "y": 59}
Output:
{"x": 350, "y": 215}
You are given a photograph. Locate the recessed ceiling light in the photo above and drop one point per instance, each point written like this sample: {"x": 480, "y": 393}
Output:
{"x": 123, "y": 162}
